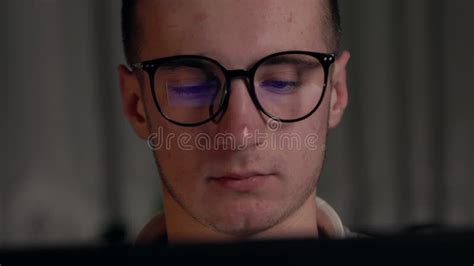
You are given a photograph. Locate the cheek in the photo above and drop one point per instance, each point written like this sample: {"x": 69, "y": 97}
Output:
{"x": 176, "y": 159}
{"x": 306, "y": 161}
{"x": 176, "y": 162}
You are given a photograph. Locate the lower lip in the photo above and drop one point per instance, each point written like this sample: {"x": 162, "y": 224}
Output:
{"x": 243, "y": 184}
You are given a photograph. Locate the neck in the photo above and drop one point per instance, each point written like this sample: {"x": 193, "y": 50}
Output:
{"x": 181, "y": 227}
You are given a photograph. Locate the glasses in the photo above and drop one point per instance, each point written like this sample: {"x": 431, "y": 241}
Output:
{"x": 190, "y": 90}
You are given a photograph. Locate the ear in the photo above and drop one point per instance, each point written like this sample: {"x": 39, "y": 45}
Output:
{"x": 133, "y": 105}
{"x": 338, "y": 89}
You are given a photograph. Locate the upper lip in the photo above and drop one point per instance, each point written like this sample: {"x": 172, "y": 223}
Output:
{"x": 239, "y": 175}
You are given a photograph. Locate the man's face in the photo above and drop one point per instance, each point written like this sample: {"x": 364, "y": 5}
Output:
{"x": 237, "y": 34}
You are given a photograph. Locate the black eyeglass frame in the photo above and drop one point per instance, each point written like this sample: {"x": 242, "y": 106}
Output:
{"x": 151, "y": 66}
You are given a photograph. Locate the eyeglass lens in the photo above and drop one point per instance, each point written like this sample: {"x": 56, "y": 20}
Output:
{"x": 191, "y": 90}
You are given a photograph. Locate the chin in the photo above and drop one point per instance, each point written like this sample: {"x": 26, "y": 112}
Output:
{"x": 242, "y": 227}
{"x": 243, "y": 221}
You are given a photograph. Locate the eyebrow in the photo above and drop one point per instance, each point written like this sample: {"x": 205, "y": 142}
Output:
{"x": 279, "y": 60}
{"x": 184, "y": 62}
{"x": 291, "y": 60}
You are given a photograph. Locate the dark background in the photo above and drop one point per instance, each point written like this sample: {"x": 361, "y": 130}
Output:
{"x": 72, "y": 167}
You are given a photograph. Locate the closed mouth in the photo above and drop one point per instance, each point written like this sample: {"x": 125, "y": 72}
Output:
{"x": 239, "y": 176}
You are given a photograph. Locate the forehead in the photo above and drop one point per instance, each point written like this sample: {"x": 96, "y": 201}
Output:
{"x": 231, "y": 31}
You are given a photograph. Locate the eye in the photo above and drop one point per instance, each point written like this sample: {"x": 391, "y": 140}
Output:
{"x": 193, "y": 94}
{"x": 279, "y": 86}
{"x": 190, "y": 89}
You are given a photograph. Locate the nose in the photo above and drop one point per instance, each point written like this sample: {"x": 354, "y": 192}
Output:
{"x": 241, "y": 118}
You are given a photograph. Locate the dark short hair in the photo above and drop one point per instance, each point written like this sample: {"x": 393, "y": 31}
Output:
{"x": 334, "y": 20}
{"x": 130, "y": 27}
